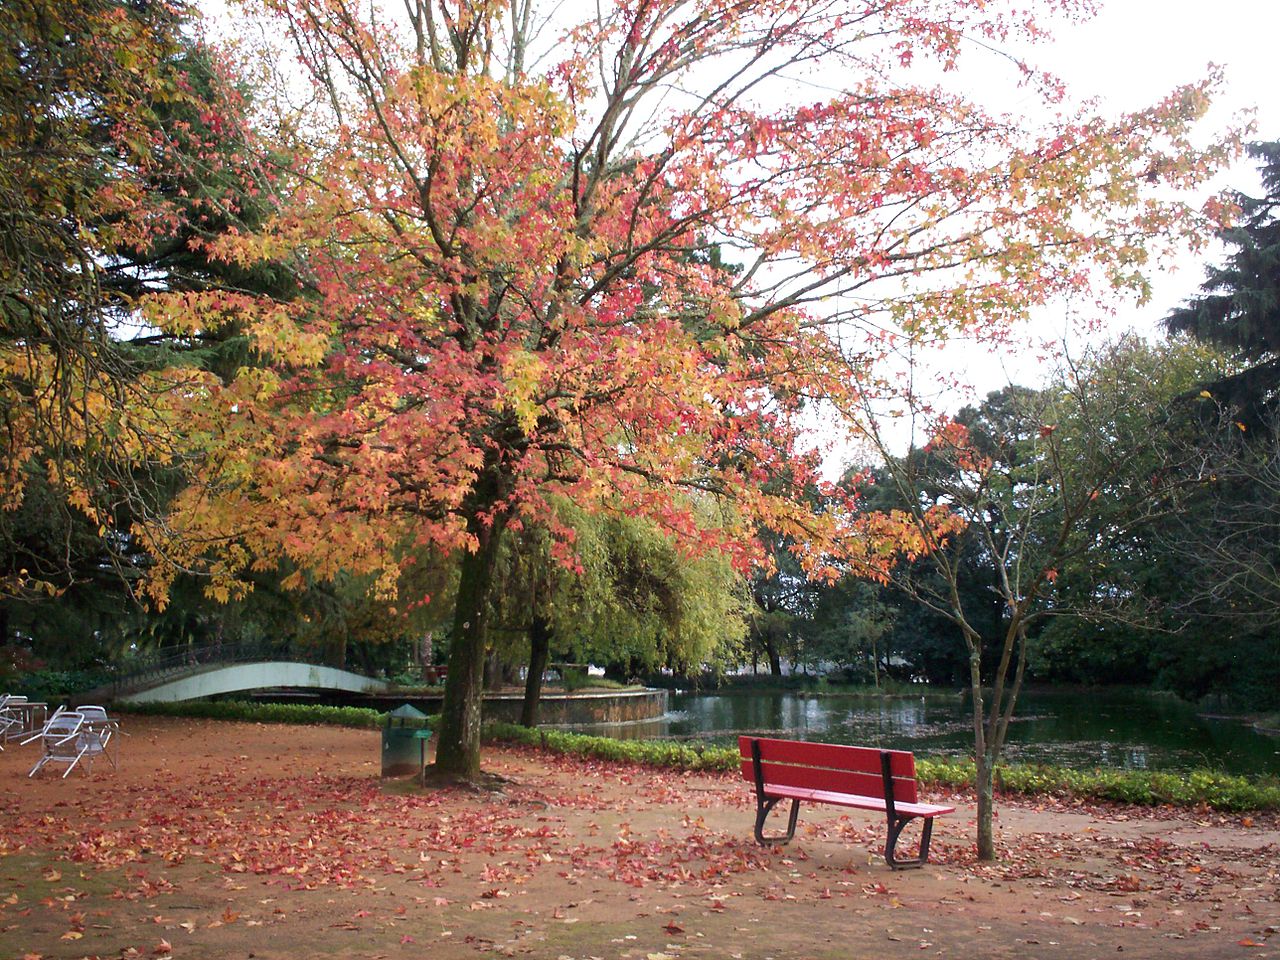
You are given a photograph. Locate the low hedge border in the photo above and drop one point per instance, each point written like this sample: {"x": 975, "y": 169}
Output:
{"x": 294, "y": 713}
{"x": 1198, "y": 788}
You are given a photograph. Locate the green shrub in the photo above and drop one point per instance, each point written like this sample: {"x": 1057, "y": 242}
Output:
{"x": 658, "y": 753}
{"x": 55, "y": 686}
{"x": 297, "y": 713}
{"x": 1199, "y": 788}
{"x": 605, "y": 683}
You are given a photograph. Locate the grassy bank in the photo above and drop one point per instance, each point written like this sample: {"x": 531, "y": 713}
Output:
{"x": 1199, "y": 788}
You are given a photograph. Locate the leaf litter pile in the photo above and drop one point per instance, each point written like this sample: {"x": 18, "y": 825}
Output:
{"x": 238, "y": 840}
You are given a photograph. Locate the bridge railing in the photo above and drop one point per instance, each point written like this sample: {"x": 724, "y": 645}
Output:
{"x": 170, "y": 663}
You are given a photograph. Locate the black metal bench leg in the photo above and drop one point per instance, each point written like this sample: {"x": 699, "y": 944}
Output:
{"x": 895, "y": 830}
{"x": 763, "y": 809}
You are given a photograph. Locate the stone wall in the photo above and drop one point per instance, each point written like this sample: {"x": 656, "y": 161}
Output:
{"x": 583, "y": 707}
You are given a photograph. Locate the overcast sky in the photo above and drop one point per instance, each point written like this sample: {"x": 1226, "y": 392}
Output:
{"x": 1135, "y": 51}
{"x": 1128, "y": 57}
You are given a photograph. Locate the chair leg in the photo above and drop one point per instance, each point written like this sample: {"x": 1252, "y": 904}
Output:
{"x": 72, "y": 765}
{"x": 895, "y": 831}
{"x": 763, "y": 809}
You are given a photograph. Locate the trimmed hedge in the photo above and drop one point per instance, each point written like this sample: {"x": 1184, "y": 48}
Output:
{"x": 656, "y": 753}
{"x": 1198, "y": 788}
{"x": 295, "y": 713}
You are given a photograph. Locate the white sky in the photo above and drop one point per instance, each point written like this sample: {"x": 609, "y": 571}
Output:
{"x": 1128, "y": 57}
{"x": 1137, "y": 50}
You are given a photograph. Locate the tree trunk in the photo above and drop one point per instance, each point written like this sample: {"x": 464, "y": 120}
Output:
{"x": 492, "y": 671}
{"x": 984, "y": 758}
{"x": 335, "y": 653}
{"x": 458, "y": 749}
{"x": 771, "y": 651}
{"x": 539, "y": 654}
{"x": 984, "y": 785}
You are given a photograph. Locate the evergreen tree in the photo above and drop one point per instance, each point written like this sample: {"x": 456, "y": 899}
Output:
{"x": 1239, "y": 307}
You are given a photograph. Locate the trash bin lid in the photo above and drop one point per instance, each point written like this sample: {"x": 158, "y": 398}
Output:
{"x": 406, "y": 715}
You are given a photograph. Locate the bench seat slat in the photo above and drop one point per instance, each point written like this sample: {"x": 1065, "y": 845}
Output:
{"x": 834, "y": 781}
{"x": 835, "y": 756}
{"x": 784, "y": 792}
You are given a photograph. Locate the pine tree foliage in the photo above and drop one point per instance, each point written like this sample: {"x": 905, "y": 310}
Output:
{"x": 1239, "y": 307}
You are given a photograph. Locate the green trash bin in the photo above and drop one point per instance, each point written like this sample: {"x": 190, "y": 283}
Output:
{"x": 404, "y": 742}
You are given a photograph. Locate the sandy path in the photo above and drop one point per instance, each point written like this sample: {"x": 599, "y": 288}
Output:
{"x": 237, "y": 840}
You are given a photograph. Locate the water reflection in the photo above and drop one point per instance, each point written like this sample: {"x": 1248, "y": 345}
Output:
{"x": 1094, "y": 729}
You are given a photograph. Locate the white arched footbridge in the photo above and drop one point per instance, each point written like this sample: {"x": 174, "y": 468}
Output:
{"x": 210, "y": 681}
{"x": 190, "y": 672}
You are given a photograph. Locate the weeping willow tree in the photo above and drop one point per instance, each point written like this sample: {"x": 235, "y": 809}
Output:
{"x": 623, "y": 594}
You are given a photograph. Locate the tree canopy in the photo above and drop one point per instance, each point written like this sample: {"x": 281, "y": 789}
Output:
{"x": 513, "y": 247}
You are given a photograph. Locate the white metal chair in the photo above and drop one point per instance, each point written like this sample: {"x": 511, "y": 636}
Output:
{"x": 64, "y": 740}
{"x": 15, "y": 712}
{"x": 34, "y": 734}
{"x": 103, "y": 729}
{"x": 9, "y": 720}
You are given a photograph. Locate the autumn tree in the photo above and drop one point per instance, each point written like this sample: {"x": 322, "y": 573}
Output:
{"x": 1030, "y": 483}
{"x": 508, "y": 227}
{"x": 122, "y": 149}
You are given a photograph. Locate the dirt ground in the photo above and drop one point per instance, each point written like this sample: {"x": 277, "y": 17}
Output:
{"x": 220, "y": 840}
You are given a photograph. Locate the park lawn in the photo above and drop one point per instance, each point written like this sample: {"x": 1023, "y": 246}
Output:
{"x": 223, "y": 839}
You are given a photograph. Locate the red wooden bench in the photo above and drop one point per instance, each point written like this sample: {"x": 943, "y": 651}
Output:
{"x": 861, "y": 777}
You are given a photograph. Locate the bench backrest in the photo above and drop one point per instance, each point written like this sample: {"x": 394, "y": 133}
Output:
{"x": 830, "y": 766}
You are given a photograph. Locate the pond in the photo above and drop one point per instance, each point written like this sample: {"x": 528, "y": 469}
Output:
{"x": 1084, "y": 729}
